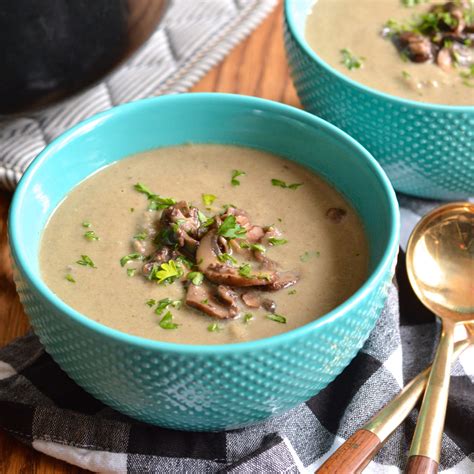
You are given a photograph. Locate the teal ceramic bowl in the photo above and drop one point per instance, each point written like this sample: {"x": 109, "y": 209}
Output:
{"x": 426, "y": 150}
{"x": 191, "y": 387}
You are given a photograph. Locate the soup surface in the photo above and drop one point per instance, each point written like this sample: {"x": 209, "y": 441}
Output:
{"x": 108, "y": 256}
{"x": 406, "y": 51}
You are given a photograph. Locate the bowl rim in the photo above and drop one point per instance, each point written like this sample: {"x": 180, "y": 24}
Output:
{"x": 386, "y": 262}
{"x": 300, "y": 39}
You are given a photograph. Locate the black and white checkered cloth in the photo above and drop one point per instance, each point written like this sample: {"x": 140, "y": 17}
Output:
{"x": 41, "y": 406}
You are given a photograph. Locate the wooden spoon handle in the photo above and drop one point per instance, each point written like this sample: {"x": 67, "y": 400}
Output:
{"x": 421, "y": 465}
{"x": 354, "y": 455}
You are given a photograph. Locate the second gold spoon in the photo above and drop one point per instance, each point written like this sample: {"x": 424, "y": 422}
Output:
{"x": 440, "y": 266}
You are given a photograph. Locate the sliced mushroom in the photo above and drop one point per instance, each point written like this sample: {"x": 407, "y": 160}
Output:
{"x": 252, "y": 299}
{"x": 283, "y": 280}
{"x": 336, "y": 214}
{"x": 224, "y": 273}
{"x": 444, "y": 59}
{"x": 417, "y": 47}
{"x": 163, "y": 255}
{"x": 202, "y": 298}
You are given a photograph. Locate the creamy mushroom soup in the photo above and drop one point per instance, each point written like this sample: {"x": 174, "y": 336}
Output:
{"x": 204, "y": 244}
{"x": 416, "y": 49}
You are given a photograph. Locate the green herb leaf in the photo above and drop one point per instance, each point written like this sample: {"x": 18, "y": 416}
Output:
{"x": 151, "y": 303}
{"x": 245, "y": 270}
{"x": 248, "y": 317}
{"x": 86, "y": 261}
{"x": 204, "y": 220}
{"x": 205, "y": 301}
{"x": 86, "y": 224}
{"x": 141, "y": 188}
{"x": 91, "y": 235}
{"x": 276, "y": 241}
{"x": 349, "y": 60}
{"x": 292, "y": 292}
{"x": 308, "y": 255}
{"x": 196, "y": 278}
{"x": 70, "y": 278}
{"x": 166, "y": 272}
{"x": 282, "y": 184}
{"x": 230, "y": 229}
{"x": 131, "y": 271}
{"x": 164, "y": 303}
{"x": 141, "y": 235}
{"x": 235, "y": 174}
{"x": 167, "y": 322}
{"x": 225, "y": 257}
{"x": 256, "y": 247}
{"x": 406, "y": 75}
{"x": 132, "y": 209}
{"x": 412, "y": 3}
{"x": 214, "y": 327}
{"x": 132, "y": 256}
{"x": 157, "y": 202}
{"x": 277, "y": 318}
{"x": 208, "y": 199}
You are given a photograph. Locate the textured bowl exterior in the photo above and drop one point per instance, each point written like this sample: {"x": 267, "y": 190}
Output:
{"x": 191, "y": 387}
{"x": 426, "y": 150}
{"x": 202, "y": 392}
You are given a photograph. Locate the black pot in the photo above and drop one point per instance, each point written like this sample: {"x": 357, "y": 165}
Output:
{"x": 51, "y": 49}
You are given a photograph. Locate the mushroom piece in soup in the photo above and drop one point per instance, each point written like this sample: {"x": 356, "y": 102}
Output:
{"x": 179, "y": 245}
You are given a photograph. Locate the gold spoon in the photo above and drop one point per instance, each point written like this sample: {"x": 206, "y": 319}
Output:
{"x": 440, "y": 266}
{"x": 355, "y": 453}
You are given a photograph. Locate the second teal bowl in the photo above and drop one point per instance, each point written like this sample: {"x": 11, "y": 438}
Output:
{"x": 192, "y": 387}
{"x": 426, "y": 150}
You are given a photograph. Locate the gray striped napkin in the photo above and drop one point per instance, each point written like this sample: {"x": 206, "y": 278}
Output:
{"x": 193, "y": 37}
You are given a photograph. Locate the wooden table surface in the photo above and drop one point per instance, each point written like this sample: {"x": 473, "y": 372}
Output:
{"x": 255, "y": 67}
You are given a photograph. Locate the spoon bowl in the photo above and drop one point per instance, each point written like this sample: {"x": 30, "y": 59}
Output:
{"x": 440, "y": 266}
{"x": 440, "y": 261}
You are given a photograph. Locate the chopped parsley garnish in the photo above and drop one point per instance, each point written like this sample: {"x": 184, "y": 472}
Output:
{"x": 141, "y": 188}
{"x": 282, "y": 184}
{"x": 468, "y": 76}
{"x": 225, "y": 257}
{"x": 245, "y": 270}
{"x": 166, "y": 272}
{"x": 308, "y": 255}
{"x": 132, "y": 256}
{"x": 406, "y": 75}
{"x": 196, "y": 278}
{"x": 157, "y": 202}
{"x": 86, "y": 261}
{"x": 230, "y": 229}
{"x": 185, "y": 261}
{"x": 132, "y": 209}
{"x": 204, "y": 220}
{"x": 214, "y": 327}
{"x": 205, "y": 301}
{"x": 276, "y": 241}
{"x": 131, "y": 271}
{"x": 164, "y": 303}
{"x": 70, "y": 278}
{"x": 350, "y": 61}
{"x": 86, "y": 224}
{"x": 412, "y": 3}
{"x": 141, "y": 235}
{"x": 256, "y": 247}
{"x": 292, "y": 292}
{"x": 151, "y": 303}
{"x": 235, "y": 174}
{"x": 248, "y": 317}
{"x": 167, "y": 322}
{"x": 208, "y": 199}
{"x": 277, "y": 318}
{"x": 91, "y": 235}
